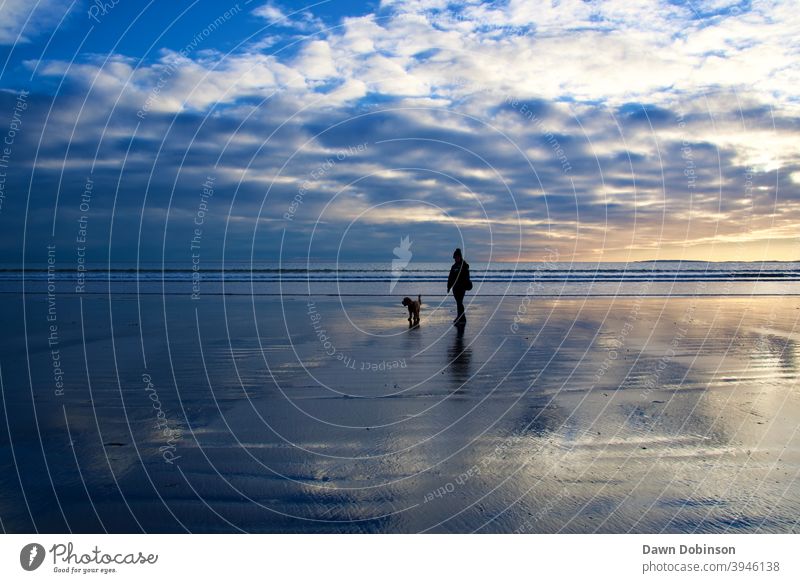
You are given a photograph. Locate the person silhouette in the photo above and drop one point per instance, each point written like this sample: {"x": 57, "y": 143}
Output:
{"x": 458, "y": 280}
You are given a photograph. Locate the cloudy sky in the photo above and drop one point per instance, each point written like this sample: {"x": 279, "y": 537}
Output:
{"x": 606, "y": 130}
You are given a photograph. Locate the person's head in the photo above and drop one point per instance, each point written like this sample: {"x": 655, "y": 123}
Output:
{"x": 457, "y": 255}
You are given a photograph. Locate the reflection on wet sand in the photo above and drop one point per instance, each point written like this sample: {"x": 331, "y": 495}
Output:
{"x": 647, "y": 415}
{"x": 459, "y": 355}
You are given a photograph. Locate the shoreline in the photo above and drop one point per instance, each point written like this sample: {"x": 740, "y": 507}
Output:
{"x": 400, "y": 296}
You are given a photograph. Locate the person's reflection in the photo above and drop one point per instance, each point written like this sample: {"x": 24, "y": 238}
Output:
{"x": 459, "y": 356}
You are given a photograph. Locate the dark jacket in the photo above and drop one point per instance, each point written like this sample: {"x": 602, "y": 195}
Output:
{"x": 458, "y": 279}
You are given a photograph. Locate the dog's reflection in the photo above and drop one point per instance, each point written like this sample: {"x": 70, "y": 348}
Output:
{"x": 459, "y": 355}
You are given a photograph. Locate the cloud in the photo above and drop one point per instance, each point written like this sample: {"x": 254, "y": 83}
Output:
{"x": 22, "y": 20}
{"x": 315, "y": 61}
{"x": 608, "y": 52}
{"x": 271, "y": 13}
{"x": 301, "y": 20}
{"x": 609, "y": 130}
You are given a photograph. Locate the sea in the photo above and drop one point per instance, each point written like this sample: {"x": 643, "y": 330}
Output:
{"x": 551, "y": 279}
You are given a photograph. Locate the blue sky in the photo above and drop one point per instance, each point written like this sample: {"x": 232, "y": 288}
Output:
{"x": 605, "y": 130}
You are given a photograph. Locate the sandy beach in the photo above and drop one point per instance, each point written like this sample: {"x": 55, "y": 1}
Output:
{"x": 272, "y": 414}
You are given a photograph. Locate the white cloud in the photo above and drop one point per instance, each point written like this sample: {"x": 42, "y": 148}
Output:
{"x": 347, "y": 92}
{"x": 611, "y": 52}
{"x": 302, "y": 20}
{"x": 271, "y": 13}
{"x": 21, "y": 20}
{"x": 176, "y": 83}
{"x": 315, "y": 61}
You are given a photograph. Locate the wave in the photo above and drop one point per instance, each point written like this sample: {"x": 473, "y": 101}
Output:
{"x": 516, "y": 278}
{"x": 420, "y": 272}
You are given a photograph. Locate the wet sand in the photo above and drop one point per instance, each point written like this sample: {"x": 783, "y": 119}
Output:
{"x": 268, "y": 415}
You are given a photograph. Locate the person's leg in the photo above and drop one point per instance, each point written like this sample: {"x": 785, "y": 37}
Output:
{"x": 459, "y": 296}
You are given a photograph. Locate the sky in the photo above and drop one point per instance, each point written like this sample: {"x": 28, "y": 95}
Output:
{"x": 200, "y": 131}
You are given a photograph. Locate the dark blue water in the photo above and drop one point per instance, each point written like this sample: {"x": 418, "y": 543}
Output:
{"x": 377, "y": 279}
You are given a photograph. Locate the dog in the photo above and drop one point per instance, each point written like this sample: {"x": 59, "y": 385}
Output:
{"x": 413, "y": 309}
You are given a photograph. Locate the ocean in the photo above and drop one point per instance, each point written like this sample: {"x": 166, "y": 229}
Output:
{"x": 656, "y": 278}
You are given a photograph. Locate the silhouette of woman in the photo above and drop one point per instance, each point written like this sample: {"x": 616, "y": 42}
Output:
{"x": 459, "y": 282}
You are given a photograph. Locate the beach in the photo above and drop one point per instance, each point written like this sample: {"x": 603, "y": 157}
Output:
{"x": 329, "y": 414}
